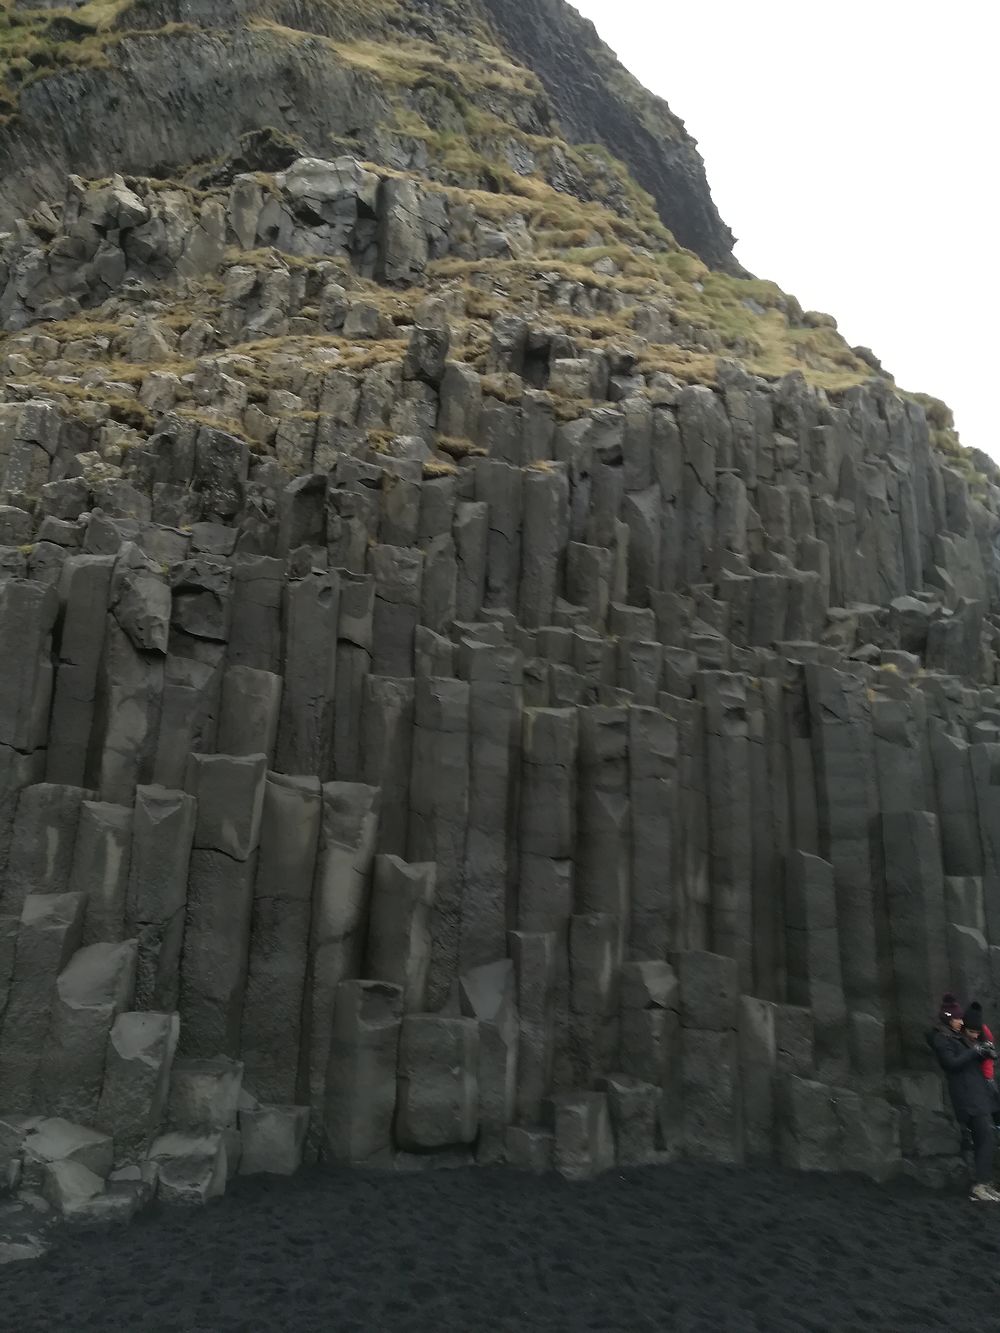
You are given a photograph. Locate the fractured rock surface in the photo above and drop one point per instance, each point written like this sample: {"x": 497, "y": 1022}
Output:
{"x": 432, "y": 731}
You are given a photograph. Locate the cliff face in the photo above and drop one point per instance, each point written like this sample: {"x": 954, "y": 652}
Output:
{"x": 477, "y": 684}
{"x": 597, "y": 101}
{"x": 159, "y": 85}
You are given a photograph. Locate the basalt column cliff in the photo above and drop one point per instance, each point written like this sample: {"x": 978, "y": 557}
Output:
{"x": 483, "y": 679}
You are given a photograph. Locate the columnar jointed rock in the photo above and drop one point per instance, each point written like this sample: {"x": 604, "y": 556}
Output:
{"x": 468, "y": 668}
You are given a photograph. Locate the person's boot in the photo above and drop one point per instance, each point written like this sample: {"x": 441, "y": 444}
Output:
{"x": 984, "y": 1194}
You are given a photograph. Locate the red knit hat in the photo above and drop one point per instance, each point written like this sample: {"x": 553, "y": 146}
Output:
{"x": 950, "y": 1007}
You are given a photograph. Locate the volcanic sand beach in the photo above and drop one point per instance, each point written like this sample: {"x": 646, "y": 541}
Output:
{"x": 483, "y": 1251}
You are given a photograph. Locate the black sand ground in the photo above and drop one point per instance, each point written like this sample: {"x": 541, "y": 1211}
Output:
{"x": 687, "y": 1248}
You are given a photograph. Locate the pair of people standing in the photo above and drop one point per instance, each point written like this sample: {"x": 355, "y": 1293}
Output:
{"x": 965, "y": 1051}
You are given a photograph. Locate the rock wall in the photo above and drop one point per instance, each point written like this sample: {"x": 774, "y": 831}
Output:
{"x": 619, "y": 785}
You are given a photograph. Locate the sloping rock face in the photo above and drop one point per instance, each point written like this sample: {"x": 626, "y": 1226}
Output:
{"x": 477, "y": 686}
{"x": 596, "y": 101}
{"x": 156, "y": 86}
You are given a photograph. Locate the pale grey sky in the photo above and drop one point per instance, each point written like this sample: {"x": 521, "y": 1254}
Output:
{"x": 849, "y": 146}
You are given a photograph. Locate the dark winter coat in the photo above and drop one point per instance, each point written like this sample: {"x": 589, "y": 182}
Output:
{"x": 970, "y": 1093}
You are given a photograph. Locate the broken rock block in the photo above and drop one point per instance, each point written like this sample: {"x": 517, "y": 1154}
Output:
{"x": 528, "y": 1148}
{"x": 69, "y": 1185}
{"x": 634, "y": 1108}
{"x": 487, "y": 994}
{"x": 584, "y": 1143}
{"x": 140, "y": 1054}
{"x": 193, "y": 1168}
{"x": 95, "y": 986}
{"x": 361, "y": 1075}
{"x": 438, "y": 1082}
{"x": 58, "y": 1140}
{"x": 273, "y": 1138}
{"x": 204, "y": 1094}
{"x": 49, "y": 932}
{"x": 399, "y": 938}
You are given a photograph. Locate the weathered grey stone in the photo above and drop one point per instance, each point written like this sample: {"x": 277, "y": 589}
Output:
{"x": 535, "y": 962}
{"x": 250, "y": 707}
{"x": 273, "y": 1139}
{"x": 270, "y": 1031}
{"x": 162, "y": 833}
{"x": 439, "y": 795}
{"x": 361, "y": 1078}
{"x": 93, "y": 989}
{"x": 58, "y": 1140}
{"x": 584, "y": 1142}
{"x": 487, "y": 994}
{"x": 214, "y": 960}
{"x": 399, "y": 936}
{"x": 100, "y": 868}
{"x": 204, "y": 1094}
{"x": 50, "y": 930}
{"x": 438, "y": 1099}
{"x": 340, "y": 910}
{"x": 229, "y": 791}
{"x": 133, "y": 1099}
{"x": 193, "y": 1168}
{"x": 309, "y": 660}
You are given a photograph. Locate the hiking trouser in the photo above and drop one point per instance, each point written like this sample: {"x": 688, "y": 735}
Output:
{"x": 981, "y": 1129}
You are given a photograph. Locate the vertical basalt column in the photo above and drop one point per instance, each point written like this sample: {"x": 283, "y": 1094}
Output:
{"x": 49, "y": 933}
{"x": 360, "y": 1101}
{"x": 500, "y": 487}
{"x": 309, "y": 668}
{"x": 471, "y": 533}
{"x": 961, "y": 848}
{"x": 668, "y": 469}
{"x": 84, "y": 590}
{"x": 339, "y": 920}
{"x": 844, "y": 760}
{"x": 703, "y": 428}
{"x": 535, "y": 969}
{"x": 545, "y": 532}
{"x": 654, "y": 802}
{"x": 386, "y": 755}
{"x": 728, "y": 750}
{"x": 494, "y": 675}
{"x": 770, "y": 835}
{"x": 354, "y": 663}
{"x": 439, "y": 817}
{"x": 603, "y": 820}
{"x": 918, "y": 926}
{"x": 814, "y": 973}
{"x": 711, "y": 1095}
{"x": 162, "y": 833}
{"x": 100, "y": 868}
{"x": 27, "y": 614}
{"x": 546, "y": 846}
{"x": 127, "y": 717}
{"x": 258, "y": 596}
{"x": 691, "y": 852}
{"x": 985, "y": 762}
{"x": 230, "y": 798}
{"x": 43, "y": 841}
{"x": 271, "y": 1025}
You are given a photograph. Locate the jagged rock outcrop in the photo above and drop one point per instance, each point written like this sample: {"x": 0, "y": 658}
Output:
{"x": 477, "y": 686}
{"x": 160, "y": 86}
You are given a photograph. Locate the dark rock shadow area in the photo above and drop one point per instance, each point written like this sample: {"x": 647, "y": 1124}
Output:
{"x": 486, "y": 1251}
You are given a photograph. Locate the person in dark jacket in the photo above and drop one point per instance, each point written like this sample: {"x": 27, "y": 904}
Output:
{"x": 961, "y": 1059}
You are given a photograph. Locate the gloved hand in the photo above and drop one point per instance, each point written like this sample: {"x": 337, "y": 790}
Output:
{"x": 985, "y": 1050}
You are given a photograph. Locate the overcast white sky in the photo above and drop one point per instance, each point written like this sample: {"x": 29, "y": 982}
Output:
{"x": 849, "y": 146}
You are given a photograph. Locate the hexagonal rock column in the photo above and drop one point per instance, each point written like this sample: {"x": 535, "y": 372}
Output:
{"x": 438, "y": 1104}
